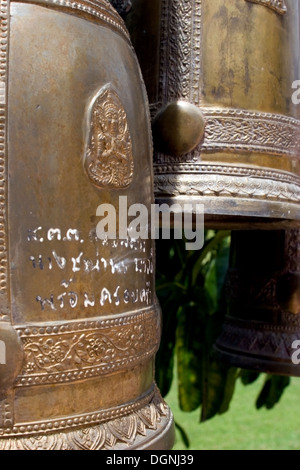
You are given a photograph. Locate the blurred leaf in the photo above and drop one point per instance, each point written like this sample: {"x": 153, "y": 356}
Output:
{"x": 210, "y": 246}
{"x": 189, "y": 349}
{"x": 272, "y": 391}
{"x": 229, "y": 388}
{"x": 183, "y": 435}
{"x": 216, "y": 273}
{"x": 222, "y": 263}
{"x": 248, "y": 377}
{"x": 218, "y": 389}
{"x": 165, "y": 356}
{"x": 213, "y": 389}
{"x": 211, "y": 283}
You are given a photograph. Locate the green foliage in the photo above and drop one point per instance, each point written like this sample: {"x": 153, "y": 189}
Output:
{"x": 190, "y": 288}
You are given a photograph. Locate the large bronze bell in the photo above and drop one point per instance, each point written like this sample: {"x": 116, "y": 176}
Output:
{"x": 262, "y": 327}
{"x": 220, "y": 77}
{"x": 79, "y": 319}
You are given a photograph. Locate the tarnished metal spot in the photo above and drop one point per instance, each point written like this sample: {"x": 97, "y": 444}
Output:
{"x": 277, "y": 5}
{"x": 108, "y": 155}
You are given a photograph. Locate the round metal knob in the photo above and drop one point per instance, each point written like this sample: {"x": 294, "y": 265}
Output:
{"x": 178, "y": 128}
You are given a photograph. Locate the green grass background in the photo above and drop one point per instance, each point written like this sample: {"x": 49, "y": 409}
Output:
{"x": 243, "y": 427}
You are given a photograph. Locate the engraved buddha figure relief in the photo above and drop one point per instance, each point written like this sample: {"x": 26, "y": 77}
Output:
{"x": 109, "y": 161}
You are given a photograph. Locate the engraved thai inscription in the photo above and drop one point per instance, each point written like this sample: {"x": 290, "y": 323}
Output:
{"x": 97, "y": 263}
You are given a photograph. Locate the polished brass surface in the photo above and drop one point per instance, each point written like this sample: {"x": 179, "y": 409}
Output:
{"x": 79, "y": 319}
{"x": 236, "y": 61}
{"x": 263, "y": 302}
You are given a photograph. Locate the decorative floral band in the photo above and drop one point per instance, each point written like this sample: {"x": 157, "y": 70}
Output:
{"x": 231, "y": 129}
{"x": 83, "y": 349}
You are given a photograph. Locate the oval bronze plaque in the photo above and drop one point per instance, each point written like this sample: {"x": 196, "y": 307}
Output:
{"x": 108, "y": 155}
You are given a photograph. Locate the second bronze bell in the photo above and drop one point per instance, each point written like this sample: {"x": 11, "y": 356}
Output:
{"x": 219, "y": 75}
{"x": 262, "y": 327}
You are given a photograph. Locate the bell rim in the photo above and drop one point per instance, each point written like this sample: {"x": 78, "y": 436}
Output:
{"x": 100, "y": 11}
{"x": 149, "y": 428}
{"x": 256, "y": 363}
{"x": 227, "y": 213}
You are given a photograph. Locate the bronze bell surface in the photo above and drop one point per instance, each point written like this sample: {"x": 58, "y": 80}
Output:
{"x": 220, "y": 78}
{"x": 79, "y": 318}
{"x": 262, "y": 327}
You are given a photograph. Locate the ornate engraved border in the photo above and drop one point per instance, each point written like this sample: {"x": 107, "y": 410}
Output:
{"x": 277, "y": 5}
{"x": 4, "y": 33}
{"x": 120, "y": 430}
{"x": 221, "y": 169}
{"x": 179, "y": 20}
{"x": 229, "y": 129}
{"x": 222, "y": 185}
{"x": 103, "y": 12}
{"x": 239, "y": 130}
{"x": 84, "y": 349}
{"x": 254, "y": 339}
